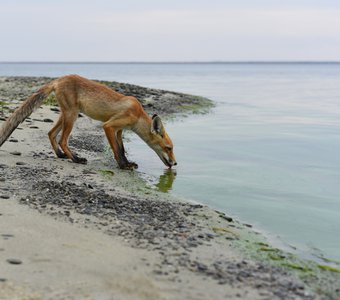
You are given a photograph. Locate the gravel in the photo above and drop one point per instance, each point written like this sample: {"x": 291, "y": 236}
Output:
{"x": 17, "y": 89}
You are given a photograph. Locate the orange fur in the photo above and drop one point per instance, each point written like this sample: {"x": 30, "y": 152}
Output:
{"x": 117, "y": 112}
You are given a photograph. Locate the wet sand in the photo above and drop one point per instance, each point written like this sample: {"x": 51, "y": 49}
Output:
{"x": 70, "y": 231}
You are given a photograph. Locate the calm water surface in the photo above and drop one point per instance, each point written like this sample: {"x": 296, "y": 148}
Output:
{"x": 268, "y": 153}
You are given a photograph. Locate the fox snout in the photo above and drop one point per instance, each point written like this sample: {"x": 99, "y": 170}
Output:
{"x": 167, "y": 160}
{"x": 172, "y": 163}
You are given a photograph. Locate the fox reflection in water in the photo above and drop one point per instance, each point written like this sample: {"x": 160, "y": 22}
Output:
{"x": 166, "y": 180}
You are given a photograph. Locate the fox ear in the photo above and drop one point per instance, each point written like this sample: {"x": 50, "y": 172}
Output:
{"x": 157, "y": 125}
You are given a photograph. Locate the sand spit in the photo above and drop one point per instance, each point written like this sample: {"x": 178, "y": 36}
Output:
{"x": 70, "y": 231}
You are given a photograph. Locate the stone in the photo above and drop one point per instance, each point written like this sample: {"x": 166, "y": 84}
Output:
{"x": 14, "y": 261}
{"x": 17, "y": 153}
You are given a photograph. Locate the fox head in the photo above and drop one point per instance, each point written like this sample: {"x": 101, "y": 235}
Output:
{"x": 161, "y": 142}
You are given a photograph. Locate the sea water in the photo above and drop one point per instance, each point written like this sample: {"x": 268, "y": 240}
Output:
{"x": 267, "y": 154}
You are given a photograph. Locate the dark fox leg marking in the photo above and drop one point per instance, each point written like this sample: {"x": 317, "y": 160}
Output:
{"x": 126, "y": 162}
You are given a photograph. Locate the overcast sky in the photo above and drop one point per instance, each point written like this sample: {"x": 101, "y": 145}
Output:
{"x": 176, "y": 30}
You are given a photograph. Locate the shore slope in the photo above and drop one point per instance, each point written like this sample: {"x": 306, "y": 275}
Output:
{"x": 96, "y": 232}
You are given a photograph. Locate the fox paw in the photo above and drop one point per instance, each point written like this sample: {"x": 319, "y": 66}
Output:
{"x": 129, "y": 166}
{"x": 132, "y": 165}
{"x": 61, "y": 154}
{"x": 79, "y": 160}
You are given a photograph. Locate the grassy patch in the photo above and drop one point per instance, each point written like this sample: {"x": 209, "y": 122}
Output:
{"x": 3, "y": 105}
{"x": 51, "y": 100}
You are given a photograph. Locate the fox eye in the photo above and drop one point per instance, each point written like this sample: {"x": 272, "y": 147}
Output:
{"x": 168, "y": 148}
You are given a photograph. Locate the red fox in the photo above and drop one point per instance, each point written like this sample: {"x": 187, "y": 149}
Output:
{"x": 117, "y": 112}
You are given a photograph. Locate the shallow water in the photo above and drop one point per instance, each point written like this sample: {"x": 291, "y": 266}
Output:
{"x": 268, "y": 153}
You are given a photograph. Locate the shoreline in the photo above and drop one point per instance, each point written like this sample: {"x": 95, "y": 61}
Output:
{"x": 183, "y": 250}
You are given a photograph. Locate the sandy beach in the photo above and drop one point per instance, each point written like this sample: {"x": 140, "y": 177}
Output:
{"x": 71, "y": 231}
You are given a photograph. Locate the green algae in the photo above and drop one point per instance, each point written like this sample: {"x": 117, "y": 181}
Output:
{"x": 107, "y": 172}
{"x": 319, "y": 279}
{"x": 262, "y": 244}
{"x": 197, "y": 105}
{"x": 329, "y": 268}
{"x": 194, "y": 108}
{"x": 268, "y": 249}
{"x": 296, "y": 266}
{"x": 276, "y": 257}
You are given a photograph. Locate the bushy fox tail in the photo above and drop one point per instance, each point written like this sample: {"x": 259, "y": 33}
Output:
{"x": 23, "y": 111}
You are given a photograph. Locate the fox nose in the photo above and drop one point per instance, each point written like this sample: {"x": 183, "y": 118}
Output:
{"x": 175, "y": 163}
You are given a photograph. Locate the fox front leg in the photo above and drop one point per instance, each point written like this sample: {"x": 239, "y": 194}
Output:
{"x": 122, "y": 161}
{"x": 131, "y": 165}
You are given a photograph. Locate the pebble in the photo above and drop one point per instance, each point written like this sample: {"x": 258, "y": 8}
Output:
{"x": 4, "y": 196}
{"x": 13, "y": 140}
{"x": 229, "y": 219}
{"x": 20, "y": 163}
{"x": 201, "y": 267}
{"x": 14, "y": 261}
{"x": 17, "y": 153}
{"x": 7, "y": 236}
{"x": 48, "y": 120}
{"x": 3, "y": 279}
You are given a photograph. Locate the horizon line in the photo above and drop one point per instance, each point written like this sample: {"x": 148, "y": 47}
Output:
{"x": 180, "y": 62}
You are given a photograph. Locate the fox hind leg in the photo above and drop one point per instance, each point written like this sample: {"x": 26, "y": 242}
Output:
{"x": 53, "y": 133}
{"x": 67, "y": 125}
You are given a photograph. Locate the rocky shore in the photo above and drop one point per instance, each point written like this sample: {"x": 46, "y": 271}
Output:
{"x": 70, "y": 231}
